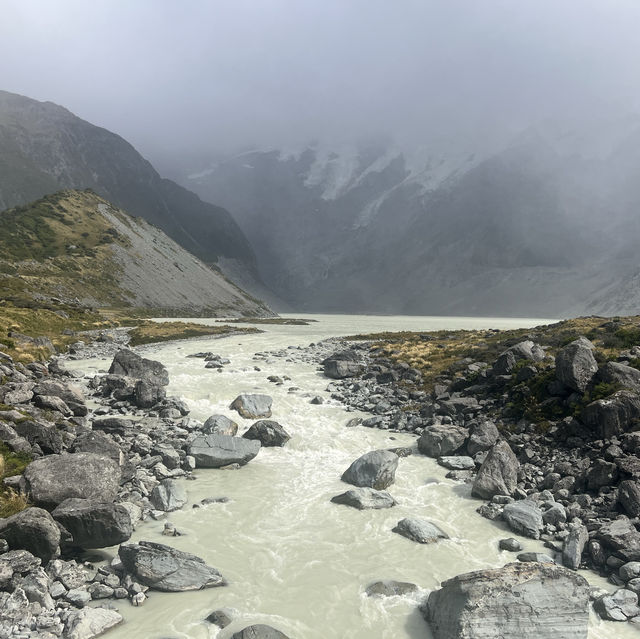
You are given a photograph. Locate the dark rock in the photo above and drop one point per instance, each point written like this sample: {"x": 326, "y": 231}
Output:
{"x": 519, "y": 600}
{"x": 113, "y": 425}
{"x": 252, "y": 406}
{"x": 621, "y": 537}
{"x": 539, "y": 557}
{"x": 94, "y": 524}
{"x": 259, "y": 631}
{"x": 523, "y": 517}
{"x": 375, "y": 469}
{"x": 49, "y": 402}
{"x": 129, "y": 364}
{"x": 220, "y": 425}
{"x": 441, "y": 440}
{"x": 498, "y": 474}
{"x": 268, "y": 433}
{"x": 147, "y": 394}
{"x": 215, "y": 451}
{"x": 526, "y": 350}
{"x": 221, "y": 618}
{"x": 390, "y": 588}
{"x": 166, "y": 569}
{"x": 601, "y": 473}
{"x": 629, "y": 497}
{"x": 621, "y": 375}
{"x": 48, "y": 437}
{"x": 573, "y": 546}
{"x": 33, "y": 530}
{"x": 457, "y": 462}
{"x": 365, "y": 498}
{"x": 510, "y": 544}
{"x": 419, "y": 530}
{"x": 576, "y": 365}
{"x": 614, "y": 415}
{"x": 620, "y": 606}
{"x": 50, "y": 480}
{"x": 482, "y": 438}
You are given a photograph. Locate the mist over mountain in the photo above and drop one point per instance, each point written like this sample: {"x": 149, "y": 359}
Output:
{"x": 545, "y": 226}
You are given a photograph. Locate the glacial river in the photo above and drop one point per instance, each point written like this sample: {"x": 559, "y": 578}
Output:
{"x": 294, "y": 560}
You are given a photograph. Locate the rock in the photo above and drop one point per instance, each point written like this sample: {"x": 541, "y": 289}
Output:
{"x": 215, "y": 451}
{"x": 614, "y": 415}
{"x": 90, "y": 622}
{"x": 99, "y": 443}
{"x": 554, "y": 515}
{"x": 457, "y": 462}
{"x": 601, "y": 473}
{"x": 498, "y": 474}
{"x": 168, "y": 495}
{"x": 629, "y": 497}
{"x": 113, "y": 425}
{"x": 573, "y": 546}
{"x": 259, "y": 631}
{"x": 621, "y": 375}
{"x": 390, "y": 588}
{"x": 526, "y": 350}
{"x": 252, "y": 406}
{"x": 620, "y": 606}
{"x": 220, "y": 425}
{"x": 365, "y": 498}
{"x": 517, "y": 601}
{"x": 93, "y": 523}
{"x": 78, "y": 597}
{"x": 341, "y": 369}
{"x": 147, "y": 394}
{"x": 129, "y": 364}
{"x": 420, "y": 530}
{"x": 510, "y": 544}
{"x": 68, "y": 393}
{"x": 50, "y": 480}
{"x": 540, "y": 557}
{"x": 621, "y": 537}
{"x": 166, "y": 569}
{"x": 34, "y": 530}
{"x": 524, "y": 517}
{"x": 268, "y": 433}
{"x": 375, "y": 469}
{"x": 49, "y": 402}
{"x": 47, "y": 437}
{"x": 629, "y": 571}
{"x": 440, "y": 440}
{"x": 482, "y": 438}
{"x": 576, "y": 365}
{"x": 221, "y": 618}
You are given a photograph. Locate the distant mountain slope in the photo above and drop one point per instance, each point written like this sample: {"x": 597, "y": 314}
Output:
{"x": 44, "y": 148}
{"x": 548, "y": 226}
{"x": 77, "y": 247}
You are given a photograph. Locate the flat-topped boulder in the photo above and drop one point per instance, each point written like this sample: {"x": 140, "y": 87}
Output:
{"x": 441, "y": 440}
{"x": 375, "y": 469}
{"x": 167, "y": 569}
{"x": 365, "y": 499}
{"x": 93, "y": 523}
{"x": 215, "y": 451}
{"x": 130, "y": 364}
{"x": 268, "y": 433}
{"x": 50, "y": 480}
{"x": 517, "y": 601}
{"x": 252, "y": 406}
{"x": 419, "y": 530}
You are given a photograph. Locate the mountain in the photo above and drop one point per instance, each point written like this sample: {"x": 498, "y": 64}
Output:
{"x": 45, "y": 148}
{"x": 545, "y": 226}
{"x": 76, "y": 247}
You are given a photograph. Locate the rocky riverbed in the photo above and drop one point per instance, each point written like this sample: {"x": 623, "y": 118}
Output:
{"x": 113, "y": 452}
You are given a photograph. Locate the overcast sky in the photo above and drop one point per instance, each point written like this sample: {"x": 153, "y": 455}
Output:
{"x": 177, "y": 77}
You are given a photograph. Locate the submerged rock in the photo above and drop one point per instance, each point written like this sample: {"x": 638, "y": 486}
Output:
{"x": 375, "y": 469}
{"x": 252, "y": 406}
{"x": 268, "y": 433}
{"x": 166, "y": 569}
{"x": 518, "y": 601}
{"x": 419, "y": 530}
{"x": 365, "y": 498}
{"x": 390, "y": 588}
{"x": 259, "y": 631}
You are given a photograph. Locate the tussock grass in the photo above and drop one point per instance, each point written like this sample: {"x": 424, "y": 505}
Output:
{"x": 148, "y": 332}
{"x": 11, "y": 502}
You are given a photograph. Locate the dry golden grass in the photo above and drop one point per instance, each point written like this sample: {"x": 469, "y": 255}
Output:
{"x": 12, "y": 502}
{"x": 148, "y": 332}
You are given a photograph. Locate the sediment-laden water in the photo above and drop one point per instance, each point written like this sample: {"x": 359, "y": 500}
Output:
{"x": 293, "y": 559}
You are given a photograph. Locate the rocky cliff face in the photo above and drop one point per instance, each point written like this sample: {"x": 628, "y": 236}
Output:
{"x": 544, "y": 227}
{"x": 76, "y": 246}
{"x": 45, "y": 148}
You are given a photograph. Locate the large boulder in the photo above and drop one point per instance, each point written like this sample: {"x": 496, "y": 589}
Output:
{"x": 375, "y": 469}
{"x": 622, "y": 605}
{"x": 220, "y": 425}
{"x": 614, "y": 415}
{"x": 629, "y": 497}
{"x": 621, "y": 538}
{"x": 166, "y": 569}
{"x": 576, "y": 365}
{"x": 440, "y": 440}
{"x": 99, "y": 443}
{"x": 130, "y": 364}
{"x": 71, "y": 395}
{"x": 90, "y": 622}
{"x": 50, "y": 480}
{"x": 47, "y": 436}
{"x": 268, "y": 433}
{"x": 259, "y": 631}
{"x": 365, "y": 499}
{"x": 482, "y": 438}
{"x": 168, "y": 495}
{"x": 342, "y": 365}
{"x": 252, "y": 406}
{"x": 517, "y": 601}
{"x": 621, "y": 375}
{"x": 147, "y": 394}
{"x": 215, "y": 451}
{"x": 93, "y": 523}
{"x": 524, "y": 517}
{"x": 34, "y": 530}
{"x": 498, "y": 474}
{"x": 573, "y": 546}
{"x": 419, "y": 530}
{"x": 526, "y": 350}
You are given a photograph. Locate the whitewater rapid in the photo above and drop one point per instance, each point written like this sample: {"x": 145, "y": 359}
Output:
{"x": 293, "y": 559}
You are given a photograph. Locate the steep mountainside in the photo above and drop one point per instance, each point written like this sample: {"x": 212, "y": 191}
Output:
{"x": 44, "y": 148}
{"x": 75, "y": 246}
{"x": 545, "y": 227}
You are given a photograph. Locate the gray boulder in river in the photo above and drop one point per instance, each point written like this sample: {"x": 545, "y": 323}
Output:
{"x": 498, "y": 474}
{"x": 215, "y": 451}
{"x": 168, "y": 495}
{"x": 517, "y": 601}
{"x": 130, "y": 364}
{"x": 419, "y": 530}
{"x": 268, "y": 433}
{"x": 52, "y": 479}
{"x": 94, "y": 524}
{"x": 220, "y": 425}
{"x": 365, "y": 499}
{"x": 166, "y": 569}
{"x": 259, "y": 631}
{"x": 375, "y": 469}
{"x": 252, "y": 406}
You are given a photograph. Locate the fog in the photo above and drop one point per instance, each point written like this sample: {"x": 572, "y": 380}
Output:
{"x": 207, "y": 77}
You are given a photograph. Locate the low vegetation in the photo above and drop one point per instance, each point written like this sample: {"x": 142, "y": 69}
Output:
{"x": 11, "y": 502}
{"x": 148, "y": 332}
{"x": 285, "y": 321}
